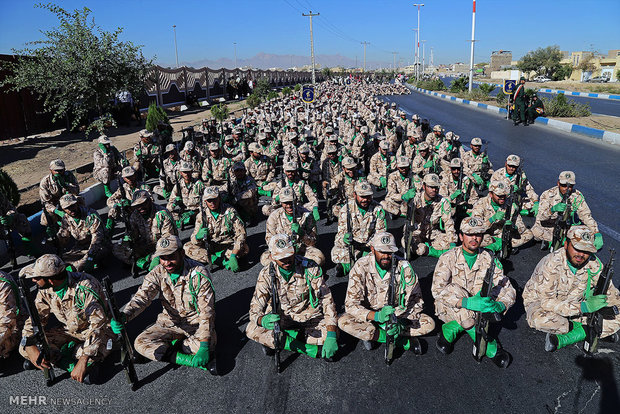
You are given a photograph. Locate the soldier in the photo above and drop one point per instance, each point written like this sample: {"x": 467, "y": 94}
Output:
{"x": 121, "y": 199}
{"x": 519, "y": 98}
{"x": 552, "y": 204}
{"x": 148, "y": 223}
{"x": 302, "y": 190}
{"x": 409, "y": 147}
{"x": 83, "y": 226}
{"x": 432, "y": 216}
{"x": 457, "y": 283}
{"x": 381, "y": 166}
{"x": 184, "y": 200}
{"x": 232, "y": 151}
{"x": 147, "y": 156}
{"x": 295, "y": 221}
{"x": 449, "y": 149}
{"x": 190, "y": 155}
{"x": 184, "y": 333}
{"x": 216, "y": 168}
{"x": 268, "y": 149}
{"x": 528, "y": 195}
{"x": 435, "y": 138}
{"x": 462, "y": 196}
{"x": 52, "y": 187}
{"x": 477, "y": 164}
{"x": 244, "y": 193}
{"x": 307, "y": 314}
{"x": 559, "y": 295}
{"x": 492, "y": 210}
{"x": 426, "y": 162}
{"x": 12, "y": 316}
{"x": 261, "y": 169}
{"x": 399, "y": 183}
{"x": 79, "y": 344}
{"x": 330, "y": 168}
{"x": 219, "y": 233}
{"x": 366, "y": 217}
{"x": 107, "y": 163}
{"x": 170, "y": 174}
{"x": 535, "y": 108}
{"x": 367, "y": 308}
{"x": 309, "y": 168}
{"x": 344, "y": 183}
{"x": 11, "y": 220}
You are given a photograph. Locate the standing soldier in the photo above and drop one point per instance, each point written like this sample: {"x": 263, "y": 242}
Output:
{"x": 457, "y": 285}
{"x": 12, "y": 315}
{"x": 184, "y": 333}
{"x": 560, "y": 295}
{"x": 184, "y": 201}
{"x": 519, "y": 98}
{"x": 244, "y": 193}
{"x": 83, "y": 226}
{"x": 367, "y": 304}
{"x": 510, "y": 171}
{"x": 358, "y": 221}
{"x": 121, "y": 199}
{"x": 170, "y": 174}
{"x": 382, "y": 164}
{"x": 52, "y": 187}
{"x": 75, "y": 299}
{"x": 219, "y": 233}
{"x": 107, "y": 163}
{"x": 330, "y": 168}
{"x": 309, "y": 168}
{"x": 147, "y": 156}
{"x": 307, "y": 315}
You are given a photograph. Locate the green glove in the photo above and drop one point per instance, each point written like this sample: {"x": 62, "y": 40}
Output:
{"x": 264, "y": 193}
{"x": 499, "y": 215}
{"x": 278, "y": 198}
{"x": 6, "y": 220}
{"x": 143, "y": 262}
{"x": 89, "y": 266}
{"x": 232, "y": 264}
{"x": 559, "y": 208}
{"x": 124, "y": 202}
{"x": 268, "y": 321}
{"x": 118, "y": 326}
{"x": 428, "y": 164}
{"x": 395, "y": 330}
{"x": 598, "y": 241}
{"x": 202, "y": 233}
{"x": 593, "y": 303}
{"x": 348, "y": 238}
{"x": 296, "y": 228}
{"x": 59, "y": 213}
{"x": 495, "y": 307}
{"x": 455, "y": 194}
{"x": 315, "y": 214}
{"x": 477, "y": 303}
{"x": 477, "y": 179}
{"x": 535, "y": 208}
{"x": 166, "y": 193}
{"x": 330, "y": 346}
{"x": 408, "y": 195}
{"x": 202, "y": 356}
{"x": 383, "y": 315}
{"x": 383, "y": 182}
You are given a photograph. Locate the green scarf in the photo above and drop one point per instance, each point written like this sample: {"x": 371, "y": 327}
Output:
{"x": 174, "y": 277}
{"x": 470, "y": 258}
{"x": 572, "y": 268}
{"x": 62, "y": 289}
{"x": 380, "y": 270}
{"x": 286, "y": 274}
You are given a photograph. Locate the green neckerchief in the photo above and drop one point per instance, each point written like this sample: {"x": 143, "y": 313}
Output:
{"x": 256, "y": 161}
{"x": 362, "y": 210}
{"x": 288, "y": 217}
{"x": 428, "y": 202}
{"x": 348, "y": 178}
{"x": 103, "y": 148}
{"x": 215, "y": 214}
{"x": 62, "y": 289}
{"x": 381, "y": 271}
{"x": 572, "y": 268}
{"x": 495, "y": 206}
{"x": 508, "y": 175}
{"x": 174, "y": 277}
{"x": 470, "y": 258}
{"x": 402, "y": 177}
{"x": 286, "y": 274}
{"x": 383, "y": 156}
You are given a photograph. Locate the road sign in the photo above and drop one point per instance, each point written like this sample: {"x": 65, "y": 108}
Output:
{"x": 509, "y": 86}
{"x": 307, "y": 94}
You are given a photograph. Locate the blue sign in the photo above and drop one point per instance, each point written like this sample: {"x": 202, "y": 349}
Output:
{"x": 348, "y": 81}
{"x": 307, "y": 94}
{"x": 509, "y": 86}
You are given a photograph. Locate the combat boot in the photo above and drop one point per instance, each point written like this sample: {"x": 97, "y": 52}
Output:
{"x": 447, "y": 336}
{"x": 107, "y": 190}
{"x": 554, "y": 342}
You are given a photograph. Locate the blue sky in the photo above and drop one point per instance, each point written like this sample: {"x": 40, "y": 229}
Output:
{"x": 207, "y": 29}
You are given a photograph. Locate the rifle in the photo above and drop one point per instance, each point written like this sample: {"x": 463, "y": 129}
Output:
{"x": 135, "y": 271}
{"x": 410, "y": 227}
{"x": 485, "y": 167}
{"x": 38, "y": 332}
{"x": 53, "y": 225}
{"x": 350, "y": 231}
{"x": 275, "y": 308}
{"x": 392, "y": 321}
{"x": 482, "y": 320}
{"x": 5, "y": 234}
{"x": 127, "y": 352}
{"x": 561, "y": 222}
{"x": 204, "y": 223}
{"x": 507, "y": 229}
{"x": 595, "y": 319}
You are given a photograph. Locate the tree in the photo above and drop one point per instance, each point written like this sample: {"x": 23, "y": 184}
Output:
{"x": 253, "y": 100}
{"x": 327, "y": 73}
{"x": 543, "y": 61}
{"x": 563, "y": 72}
{"x": 154, "y": 116}
{"x": 78, "y": 68}
{"x": 586, "y": 65}
{"x": 262, "y": 88}
{"x": 459, "y": 85}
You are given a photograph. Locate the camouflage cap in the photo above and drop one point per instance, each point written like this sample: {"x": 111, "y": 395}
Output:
{"x": 228, "y": 138}
{"x": 286, "y": 195}
{"x": 57, "y": 165}
{"x": 128, "y": 171}
{"x": 27, "y": 272}
{"x": 254, "y": 147}
{"x": 204, "y": 120}
{"x": 68, "y": 200}
{"x": 167, "y": 244}
{"x": 423, "y": 146}
{"x": 500, "y": 187}
{"x": 473, "y": 225}
{"x": 581, "y": 238}
{"x": 384, "y": 242}
{"x": 293, "y": 135}
{"x": 211, "y": 193}
{"x": 186, "y": 166}
{"x": 281, "y": 246}
{"x": 329, "y": 130}
{"x": 139, "y": 197}
{"x": 513, "y": 160}
{"x": 384, "y": 145}
{"x": 431, "y": 180}
{"x": 393, "y": 105}
{"x": 415, "y": 117}
{"x": 332, "y": 138}
{"x": 103, "y": 139}
{"x": 364, "y": 129}
{"x": 476, "y": 141}
{"x": 349, "y": 163}
{"x": 170, "y": 148}
{"x": 456, "y": 163}
{"x": 145, "y": 134}
{"x": 238, "y": 165}
{"x": 189, "y": 145}
{"x": 331, "y": 148}
{"x": 451, "y": 136}
{"x": 267, "y": 129}
{"x": 403, "y": 162}
{"x": 567, "y": 177}
{"x": 363, "y": 189}
{"x": 304, "y": 149}
{"x": 290, "y": 166}
{"x": 214, "y": 146}
{"x": 46, "y": 266}
{"x": 437, "y": 128}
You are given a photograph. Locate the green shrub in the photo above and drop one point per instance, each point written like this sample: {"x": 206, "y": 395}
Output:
{"x": 459, "y": 85}
{"x": 253, "y": 100}
{"x": 477, "y": 94}
{"x": 9, "y": 188}
{"x": 487, "y": 88}
{"x": 262, "y": 88}
{"x": 287, "y": 91}
{"x": 559, "y": 106}
{"x": 298, "y": 87}
{"x": 501, "y": 98}
{"x": 219, "y": 112}
{"x": 431, "y": 85}
{"x": 154, "y": 115}
{"x": 101, "y": 124}
{"x": 272, "y": 95}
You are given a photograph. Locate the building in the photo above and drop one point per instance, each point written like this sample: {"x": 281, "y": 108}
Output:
{"x": 599, "y": 65}
{"x": 500, "y": 59}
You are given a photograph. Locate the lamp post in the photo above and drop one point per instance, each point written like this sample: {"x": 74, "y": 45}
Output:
{"x": 418, "y": 5}
{"x": 235, "y": 44}
{"x": 176, "y": 52}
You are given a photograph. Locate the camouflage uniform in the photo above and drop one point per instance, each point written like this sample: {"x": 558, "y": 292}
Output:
{"x": 418, "y": 165}
{"x": 51, "y": 189}
{"x": 303, "y": 192}
{"x": 398, "y": 185}
{"x": 453, "y": 280}
{"x": 87, "y": 231}
{"x": 449, "y": 186}
{"x": 12, "y": 316}
{"x": 368, "y": 292}
{"x": 238, "y": 152}
{"x": 473, "y": 163}
{"x": 117, "y": 197}
{"x": 407, "y": 149}
{"x": 329, "y": 170}
{"x": 309, "y": 171}
{"x": 193, "y": 157}
{"x": 530, "y": 195}
{"x": 216, "y": 171}
{"x": 434, "y": 223}
{"x": 188, "y": 311}
{"x": 245, "y": 196}
{"x": 378, "y": 170}
{"x": 345, "y": 187}
{"x": 189, "y": 195}
{"x": 106, "y": 163}
{"x": 147, "y": 154}
{"x": 262, "y": 171}
{"x": 167, "y": 179}
{"x": 484, "y": 209}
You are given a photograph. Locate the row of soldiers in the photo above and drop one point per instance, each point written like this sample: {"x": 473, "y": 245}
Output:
{"x": 448, "y": 196}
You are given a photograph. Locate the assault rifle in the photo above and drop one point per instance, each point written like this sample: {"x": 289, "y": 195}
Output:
{"x": 410, "y": 227}
{"x": 392, "y": 321}
{"x": 595, "y": 319}
{"x": 561, "y": 222}
{"x": 135, "y": 271}
{"x": 5, "y": 234}
{"x": 39, "y": 337}
{"x": 203, "y": 216}
{"x": 275, "y": 309}
{"x": 127, "y": 351}
{"x": 52, "y": 224}
{"x": 485, "y": 167}
{"x": 349, "y": 231}
{"x": 483, "y": 319}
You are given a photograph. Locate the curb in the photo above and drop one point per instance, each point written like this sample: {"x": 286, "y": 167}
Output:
{"x": 567, "y": 93}
{"x": 606, "y": 136}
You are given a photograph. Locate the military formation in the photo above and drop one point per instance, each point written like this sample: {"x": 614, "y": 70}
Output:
{"x": 390, "y": 183}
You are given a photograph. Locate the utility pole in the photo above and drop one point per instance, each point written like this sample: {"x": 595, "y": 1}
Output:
{"x": 176, "y": 52}
{"x": 365, "y": 43}
{"x": 418, "y": 5}
{"x": 235, "y": 43}
{"x": 394, "y": 53}
{"x": 415, "y": 54}
{"x": 471, "y": 59}
{"x": 432, "y": 63}
{"x": 310, "y": 15}
{"x": 423, "y": 63}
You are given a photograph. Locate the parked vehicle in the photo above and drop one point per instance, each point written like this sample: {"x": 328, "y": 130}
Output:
{"x": 598, "y": 79}
{"x": 542, "y": 79}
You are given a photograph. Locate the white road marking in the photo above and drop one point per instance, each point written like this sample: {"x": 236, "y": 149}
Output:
{"x": 611, "y": 232}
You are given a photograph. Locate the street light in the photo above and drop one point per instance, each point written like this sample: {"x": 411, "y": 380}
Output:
{"x": 176, "y": 52}
{"x": 415, "y": 54}
{"x": 423, "y": 55}
{"x": 418, "y": 5}
{"x": 235, "y": 43}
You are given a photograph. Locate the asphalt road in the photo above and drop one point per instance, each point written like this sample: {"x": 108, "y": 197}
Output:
{"x": 359, "y": 381}
{"x": 610, "y": 107}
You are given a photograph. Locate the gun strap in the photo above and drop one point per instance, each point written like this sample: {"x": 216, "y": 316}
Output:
{"x": 588, "y": 292}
